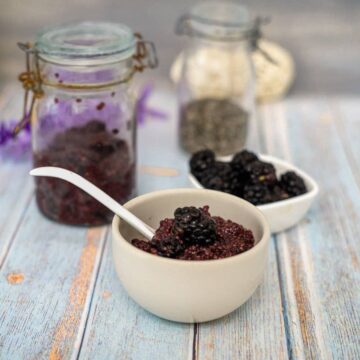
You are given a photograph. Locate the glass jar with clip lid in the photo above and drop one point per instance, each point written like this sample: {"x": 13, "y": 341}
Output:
{"x": 216, "y": 88}
{"x": 79, "y": 100}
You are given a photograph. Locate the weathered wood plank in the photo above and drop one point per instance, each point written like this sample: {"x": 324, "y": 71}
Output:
{"x": 254, "y": 331}
{"x": 15, "y": 194}
{"x": 347, "y": 121}
{"x": 158, "y": 147}
{"x": 50, "y": 271}
{"x": 319, "y": 259}
{"x": 145, "y": 336}
{"x": 15, "y": 184}
{"x": 117, "y": 328}
{"x": 64, "y": 325}
{"x": 45, "y": 288}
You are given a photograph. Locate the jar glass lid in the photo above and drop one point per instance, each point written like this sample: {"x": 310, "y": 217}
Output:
{"x": 220, "y": 20}
{"x": 86, "y": 43}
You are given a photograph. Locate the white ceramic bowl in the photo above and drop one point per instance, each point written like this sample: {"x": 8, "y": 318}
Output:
{"x": 283, "y": 214}
{"x": 189, "y": 291}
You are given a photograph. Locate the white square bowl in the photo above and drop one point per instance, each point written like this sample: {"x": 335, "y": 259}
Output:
{"x": 283, "y": 214}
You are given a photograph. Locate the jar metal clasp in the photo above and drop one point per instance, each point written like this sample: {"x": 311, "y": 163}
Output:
{"x": 31, "y": 82}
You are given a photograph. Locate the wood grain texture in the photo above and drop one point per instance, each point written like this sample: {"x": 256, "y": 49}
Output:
{"x": 254, "y": 331}
{"x": 15, "y": 184}
{"x": 146, "y": 336}
{"x": 129, "y": 332}
{"x": 43, "y": 316}
{"x": 319, "y": 260}
{"x": 118, "y": 328}
{"x": 159, "y": 147}
{"x": 15, "y": 194}
{"x": 60, "y": 297}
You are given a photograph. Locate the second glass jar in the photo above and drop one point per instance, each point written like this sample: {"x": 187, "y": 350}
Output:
{"x": 217, "y": 85}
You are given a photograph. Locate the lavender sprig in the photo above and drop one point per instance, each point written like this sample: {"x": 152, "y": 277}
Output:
{"x": 143, "y": 111}
{"x": 18, "y": 147}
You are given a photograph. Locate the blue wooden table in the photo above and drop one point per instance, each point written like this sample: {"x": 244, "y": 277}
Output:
{"x": 60, "y": 297}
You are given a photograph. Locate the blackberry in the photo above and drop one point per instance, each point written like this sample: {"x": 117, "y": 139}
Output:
{"x": 238, "y": 165}
{"x": 168, "y": 247}
{"x": 221, "y": 177}
{"x": 201, "y": 161}
{"x": 208, "y": 174}
{"x": 215, "y": 177}
{"x": 236, "y": 183}
{"x": 257, "y": 194}
{"x": 261, "y": 173}
{"x": 194, "y": 226}
{"x": 278, "y": 193}
{"x": 241, "y": 159}
{"x": 292, "y": 183}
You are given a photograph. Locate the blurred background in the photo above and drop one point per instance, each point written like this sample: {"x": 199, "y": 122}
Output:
{"x": 322, "y": 35}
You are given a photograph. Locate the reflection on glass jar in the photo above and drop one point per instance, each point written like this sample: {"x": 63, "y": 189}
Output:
{"x": 216, "y": 87}
{"x": 84, "y": 120}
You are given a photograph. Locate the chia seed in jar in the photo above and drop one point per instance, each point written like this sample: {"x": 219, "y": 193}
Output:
{"x": 216, "y": 124}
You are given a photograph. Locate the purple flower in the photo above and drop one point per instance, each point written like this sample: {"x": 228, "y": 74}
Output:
{"x": 143, "y": 110}
{"x": 14, "y": 147}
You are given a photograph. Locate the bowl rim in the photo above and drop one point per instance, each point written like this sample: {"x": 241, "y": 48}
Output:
{"x": 312, "y": 193}
{"x": 263, "y": 242}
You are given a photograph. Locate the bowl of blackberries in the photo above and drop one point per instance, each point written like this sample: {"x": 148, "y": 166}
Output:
{"x": 207, "y": 256}
{"x": 280, "y": 190}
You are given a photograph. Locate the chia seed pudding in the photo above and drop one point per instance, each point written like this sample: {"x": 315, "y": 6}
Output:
{"x": 94, "y": 152}
{"x": 193, "y": 234}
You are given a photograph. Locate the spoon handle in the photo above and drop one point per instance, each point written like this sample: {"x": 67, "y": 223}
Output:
{"x": 98, "y": 194}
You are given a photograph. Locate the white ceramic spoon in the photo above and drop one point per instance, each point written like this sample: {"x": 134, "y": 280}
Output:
{"x": 99, "y": 195}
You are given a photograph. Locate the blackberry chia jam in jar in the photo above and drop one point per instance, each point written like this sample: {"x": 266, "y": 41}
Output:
{"x": 216, "y": 88}
{"x": 83, "y": 115}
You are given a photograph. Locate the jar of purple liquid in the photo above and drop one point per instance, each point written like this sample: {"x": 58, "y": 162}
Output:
{"x": 83, "y": 118}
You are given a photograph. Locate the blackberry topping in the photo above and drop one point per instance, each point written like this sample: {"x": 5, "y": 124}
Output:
{"x": 194, "y": 226}
{"x": 201, "y": 161}
{"x": 257, "y": 194}
{"x": 292, "y": 183}
{"x": 261, "y": 173}
{"x": 241, "y": 159}
{"x": 230, "y": 238}
{"x": 168, "y": 247}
